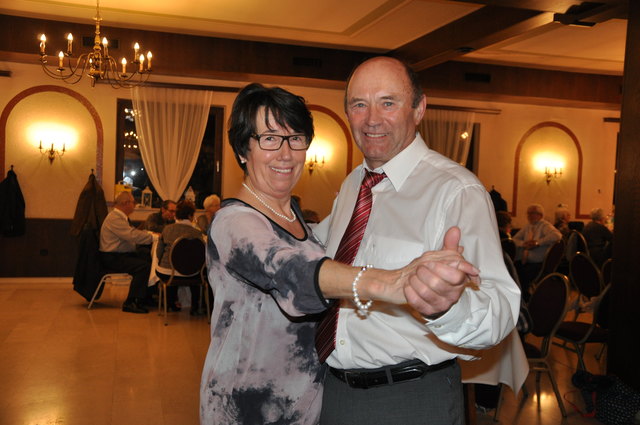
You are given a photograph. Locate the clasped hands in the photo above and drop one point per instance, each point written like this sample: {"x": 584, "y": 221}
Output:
{"x": 433, "y": 282}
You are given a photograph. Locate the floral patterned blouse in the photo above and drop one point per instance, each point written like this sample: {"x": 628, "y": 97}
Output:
{"x": 261, "y": 367}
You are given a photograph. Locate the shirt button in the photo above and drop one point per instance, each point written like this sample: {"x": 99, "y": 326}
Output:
{"x": 342, "y": 342}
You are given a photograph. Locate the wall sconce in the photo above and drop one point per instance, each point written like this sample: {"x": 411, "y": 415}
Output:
{"x": 51, "y": 152}
{"x": 552, "y": 173}
{"x": 313, "y": 163}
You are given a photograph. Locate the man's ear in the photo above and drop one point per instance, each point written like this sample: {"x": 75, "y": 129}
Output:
{"x": 418, "y": 111}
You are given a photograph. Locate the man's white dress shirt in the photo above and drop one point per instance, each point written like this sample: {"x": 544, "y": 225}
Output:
{"x": 423, "y": 195}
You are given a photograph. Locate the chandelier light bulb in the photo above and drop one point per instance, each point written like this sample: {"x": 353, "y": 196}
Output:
{"x": 60, "y": 58}
{"x": 124, "y": 66}
{"x": 69, "y": 44}
{"x": 43, "y": 41}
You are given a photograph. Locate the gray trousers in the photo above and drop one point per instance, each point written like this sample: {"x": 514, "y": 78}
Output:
{"x": 434, "y": 399}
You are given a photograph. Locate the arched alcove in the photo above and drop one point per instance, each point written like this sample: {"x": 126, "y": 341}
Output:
{"x": 332, "y": 143}
{"x": 553, "y": 145}
{"x": 50, "y": 113}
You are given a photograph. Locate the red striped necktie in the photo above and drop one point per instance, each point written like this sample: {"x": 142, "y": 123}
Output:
{"x": 346, "y": 253}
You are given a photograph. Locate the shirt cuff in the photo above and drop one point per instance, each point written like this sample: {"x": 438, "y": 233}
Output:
{"x": 451, "y": 320}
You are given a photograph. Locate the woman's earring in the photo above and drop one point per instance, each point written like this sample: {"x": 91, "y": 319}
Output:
{"x": 242, "y": 160}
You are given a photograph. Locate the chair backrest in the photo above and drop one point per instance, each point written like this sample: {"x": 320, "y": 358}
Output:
{"x": 605, "y": 271}
{"x": 511, "y": 268}
{"x": 548, "y": 305}
{"x": 187, "y": 256}
{"x": 509, "y": 247}
{"x": 601, "y": 311}
{"x": 552, "y": 258}
{"x": 575, "y": 243}
{"x": 585, "y": 275}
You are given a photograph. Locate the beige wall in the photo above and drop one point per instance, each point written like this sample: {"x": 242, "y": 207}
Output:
{"x": 51, "y": 191}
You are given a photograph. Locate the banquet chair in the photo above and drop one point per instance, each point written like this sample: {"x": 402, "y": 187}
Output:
{"x": 509, "y": 247}
{"x": 187, "y": 260}
{"x": 575, "y": 243}
{"x": 578, "y": 334}
{"x": 586, "y": 278}
{"x": 115, "y": 279}
{"x": 547, "y": 307}
{"x": 523, "y": 326}
{"x": 550, "y": 263}
{"x": 605, "y": 271}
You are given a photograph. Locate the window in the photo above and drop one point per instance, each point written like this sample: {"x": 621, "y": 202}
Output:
{"x": 206, "y": 177}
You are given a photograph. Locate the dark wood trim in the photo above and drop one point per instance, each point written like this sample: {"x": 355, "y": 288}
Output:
{"x": 485, "y": 26}
{"x": 465, "y": 109}
{"x": 624, "y": 331}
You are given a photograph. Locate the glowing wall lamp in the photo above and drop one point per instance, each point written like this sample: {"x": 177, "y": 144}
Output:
{"x": 552, "y": 173}
{"x": 314, "y": 163}
{"x": 317, "y": 156}
{"x": 550, "y": 164}
{"x": 51, "y": 153}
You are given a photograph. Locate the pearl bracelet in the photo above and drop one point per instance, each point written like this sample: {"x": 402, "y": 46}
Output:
{"x": 363, "y": 309}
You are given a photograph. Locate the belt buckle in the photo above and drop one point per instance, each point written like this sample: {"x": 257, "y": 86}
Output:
{"x": 353, "y": 379}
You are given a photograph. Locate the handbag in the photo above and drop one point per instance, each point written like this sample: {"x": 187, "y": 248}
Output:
{"x": 607, "y": 398}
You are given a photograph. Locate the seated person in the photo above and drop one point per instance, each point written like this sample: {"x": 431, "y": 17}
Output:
{"x": 563, "y": 216}
{"x": 183, "y": 227}
{"x": 504, "y": 224}
{"x": 211, "y": 206}
{"x": 533, "y": 241}
{"x": 157, "y": 220}
{"x": 119, "y": 252}
{"x": 598, "y": 237}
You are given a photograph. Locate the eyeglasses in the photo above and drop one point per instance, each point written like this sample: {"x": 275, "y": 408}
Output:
{"x": 273, "y": 142}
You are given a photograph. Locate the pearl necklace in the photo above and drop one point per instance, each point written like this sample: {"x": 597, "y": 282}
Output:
{"x": 290, "y": 220}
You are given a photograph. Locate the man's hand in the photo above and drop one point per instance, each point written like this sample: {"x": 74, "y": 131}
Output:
{"x": 440, "y": 277}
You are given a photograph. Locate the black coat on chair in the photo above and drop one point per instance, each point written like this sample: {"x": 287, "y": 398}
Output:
{"x": 12, "y": 220}
{"x": 88, "y": 270}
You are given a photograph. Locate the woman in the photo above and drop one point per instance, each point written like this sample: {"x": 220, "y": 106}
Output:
{"x": 598, "y": 236}
{"x": 270, "y": 276}
{"x": 183, "y": 227}
{"x": 211, "y": 205}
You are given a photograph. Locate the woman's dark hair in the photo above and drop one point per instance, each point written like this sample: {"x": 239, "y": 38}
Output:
{"x": 287, "y": 109}
{"x": 185, "y": 210}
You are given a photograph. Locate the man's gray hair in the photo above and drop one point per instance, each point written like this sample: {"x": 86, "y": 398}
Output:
{"x": 123, "y": 197}
{"x": 209, "y": 200}
{"x": 537, "y": 208}
{"x": 597, "y": 214}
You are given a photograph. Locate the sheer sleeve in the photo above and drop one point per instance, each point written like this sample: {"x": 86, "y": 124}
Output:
{"x": 257, "y": 252}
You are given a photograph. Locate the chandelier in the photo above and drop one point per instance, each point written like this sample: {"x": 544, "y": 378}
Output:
{"x": 97, "y": 64}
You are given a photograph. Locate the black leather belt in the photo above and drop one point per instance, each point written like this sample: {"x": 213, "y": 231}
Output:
{"x": 388, "y": 375}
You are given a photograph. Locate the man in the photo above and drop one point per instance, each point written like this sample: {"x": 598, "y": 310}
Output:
{"x": 422, "y": 197}
{"x": 532, "y": 243}
{"x": 167, "y": 215}
{"x": 118, "y": 240}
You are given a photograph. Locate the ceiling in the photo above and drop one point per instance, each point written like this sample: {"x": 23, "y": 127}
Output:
{"x": 423, "y": 32}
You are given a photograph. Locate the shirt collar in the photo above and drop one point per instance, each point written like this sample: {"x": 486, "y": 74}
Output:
{"x": 119, "y": 211}
{"x": 401, "y": 166}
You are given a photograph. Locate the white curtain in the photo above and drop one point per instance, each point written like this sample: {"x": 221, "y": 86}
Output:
{"x": 448, "y": 132}
{"x": 170, "y": 124}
